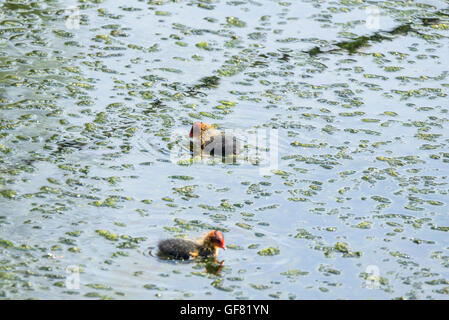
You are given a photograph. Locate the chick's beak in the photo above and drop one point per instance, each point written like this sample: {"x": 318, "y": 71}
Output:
{"x": 223, "y": 246}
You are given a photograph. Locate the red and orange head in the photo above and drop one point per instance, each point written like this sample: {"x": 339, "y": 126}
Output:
{"x": 216, "y": 238}
{"x": 198, "y": 128}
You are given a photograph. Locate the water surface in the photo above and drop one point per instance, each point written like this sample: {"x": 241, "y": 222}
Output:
{"x": 357, "y": 208}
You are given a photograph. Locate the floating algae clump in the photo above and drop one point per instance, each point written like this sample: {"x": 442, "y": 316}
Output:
{"x": 107, "y": 235}
{"x": 6, "y": 243}
{"x": 236, "y": 22}
{"x": 353, "y": 45}
{"x": 269, "y": 251}
{"x": 203, "y": 45}
{"x": 342, "y": 247}
{"x": 8, "y": 193}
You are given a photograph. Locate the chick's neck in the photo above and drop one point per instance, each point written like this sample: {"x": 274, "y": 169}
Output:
{"x": 206, "y": 245}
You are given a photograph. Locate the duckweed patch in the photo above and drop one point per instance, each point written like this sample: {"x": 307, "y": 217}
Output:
{"x": 107, "y": 235}
{"x": 269, "y": 251}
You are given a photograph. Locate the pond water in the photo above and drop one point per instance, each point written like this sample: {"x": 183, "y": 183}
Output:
{"x": 92, "y": 93}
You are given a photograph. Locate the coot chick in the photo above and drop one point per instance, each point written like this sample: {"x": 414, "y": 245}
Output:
{"x": 213, "y": 141}
{"x": 182, "y": 249}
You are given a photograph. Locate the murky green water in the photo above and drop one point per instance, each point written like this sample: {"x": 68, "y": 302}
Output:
{"x": 358, "y": 207}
